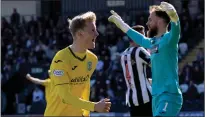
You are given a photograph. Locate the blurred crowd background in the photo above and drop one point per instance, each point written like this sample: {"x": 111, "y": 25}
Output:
{"x": 28, "y": 46}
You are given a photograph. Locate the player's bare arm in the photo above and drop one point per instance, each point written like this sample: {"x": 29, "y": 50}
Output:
{"x": 35, "y": 80}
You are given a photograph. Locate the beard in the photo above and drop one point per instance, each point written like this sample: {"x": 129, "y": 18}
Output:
{"x": 152, "y": 32}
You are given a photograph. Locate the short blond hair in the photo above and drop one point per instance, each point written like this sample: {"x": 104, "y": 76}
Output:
{"x": 79, "y": 21}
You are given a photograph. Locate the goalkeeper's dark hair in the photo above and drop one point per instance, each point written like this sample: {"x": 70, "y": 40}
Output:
{"x": 79, "y": 21}
{"x": 138, "y": 28}
{"x": 160, "y": 13}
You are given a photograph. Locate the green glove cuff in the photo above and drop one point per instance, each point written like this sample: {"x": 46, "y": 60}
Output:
{"x": 173, "y": 16}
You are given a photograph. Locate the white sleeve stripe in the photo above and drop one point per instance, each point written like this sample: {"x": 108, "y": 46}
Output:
{"x": 141, "y": 77}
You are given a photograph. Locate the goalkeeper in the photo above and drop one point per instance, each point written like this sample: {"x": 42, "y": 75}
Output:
{"x": 167, "y": 97}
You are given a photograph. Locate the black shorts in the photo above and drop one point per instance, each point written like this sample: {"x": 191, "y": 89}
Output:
{"x": 141, "y": 110}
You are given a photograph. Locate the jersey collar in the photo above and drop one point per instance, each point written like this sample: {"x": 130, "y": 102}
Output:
{"x": 80, "y": 59}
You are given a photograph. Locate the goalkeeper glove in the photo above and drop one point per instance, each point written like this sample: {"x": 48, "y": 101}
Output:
{"x": 117, "y": 20}
{"x": 170, "y": 10}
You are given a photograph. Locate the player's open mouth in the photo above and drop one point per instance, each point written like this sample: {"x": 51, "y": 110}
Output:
{"x": 93, "y": 40}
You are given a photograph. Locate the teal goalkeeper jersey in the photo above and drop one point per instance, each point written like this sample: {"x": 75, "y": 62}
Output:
{"x": 164, "y": 59}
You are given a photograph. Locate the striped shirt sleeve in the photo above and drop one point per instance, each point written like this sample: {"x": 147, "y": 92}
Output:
{"x": 145, "y": 56}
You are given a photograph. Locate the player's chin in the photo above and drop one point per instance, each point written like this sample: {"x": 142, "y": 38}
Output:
{"x": 92, "y": 46}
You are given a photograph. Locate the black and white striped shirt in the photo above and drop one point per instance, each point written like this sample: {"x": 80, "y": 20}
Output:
{"x": 134, "y": 61}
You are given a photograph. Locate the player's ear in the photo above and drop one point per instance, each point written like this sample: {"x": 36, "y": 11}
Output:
{"x": 159, "y": 22}
{"x": 80, "y": 33}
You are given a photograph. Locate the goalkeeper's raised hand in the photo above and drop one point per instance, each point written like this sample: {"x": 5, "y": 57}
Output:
{"x": 170, "y": 10}
{"x": 117, "y": 20}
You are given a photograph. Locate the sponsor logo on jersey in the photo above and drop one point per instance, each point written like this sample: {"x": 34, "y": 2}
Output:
{"x": 79, "y": 80}
{"x": 58, "y": 72}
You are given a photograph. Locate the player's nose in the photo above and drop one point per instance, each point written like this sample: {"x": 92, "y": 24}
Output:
{"x": 96, "y": 33}
{"x": 147, "y": 23}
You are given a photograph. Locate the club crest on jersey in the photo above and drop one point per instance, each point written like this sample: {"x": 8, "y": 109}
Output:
{"x": 89, "y": 65}
{"x": 58, "y": 72}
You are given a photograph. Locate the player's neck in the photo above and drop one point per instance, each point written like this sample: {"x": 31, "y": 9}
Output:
{"x": 76, "y": 47}
{"x": 161, "y": 31}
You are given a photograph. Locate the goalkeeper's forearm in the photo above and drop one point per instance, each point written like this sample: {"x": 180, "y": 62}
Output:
{"x": 134, "y": 35}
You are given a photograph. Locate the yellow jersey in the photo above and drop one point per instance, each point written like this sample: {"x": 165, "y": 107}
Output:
{"x": 73, "y": 71}
{"x": 48, "y": 88}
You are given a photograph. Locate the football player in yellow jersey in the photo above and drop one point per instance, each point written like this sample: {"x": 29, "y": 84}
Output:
{"x": 46, "y": 83}
{"x": 71, "y": 69}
